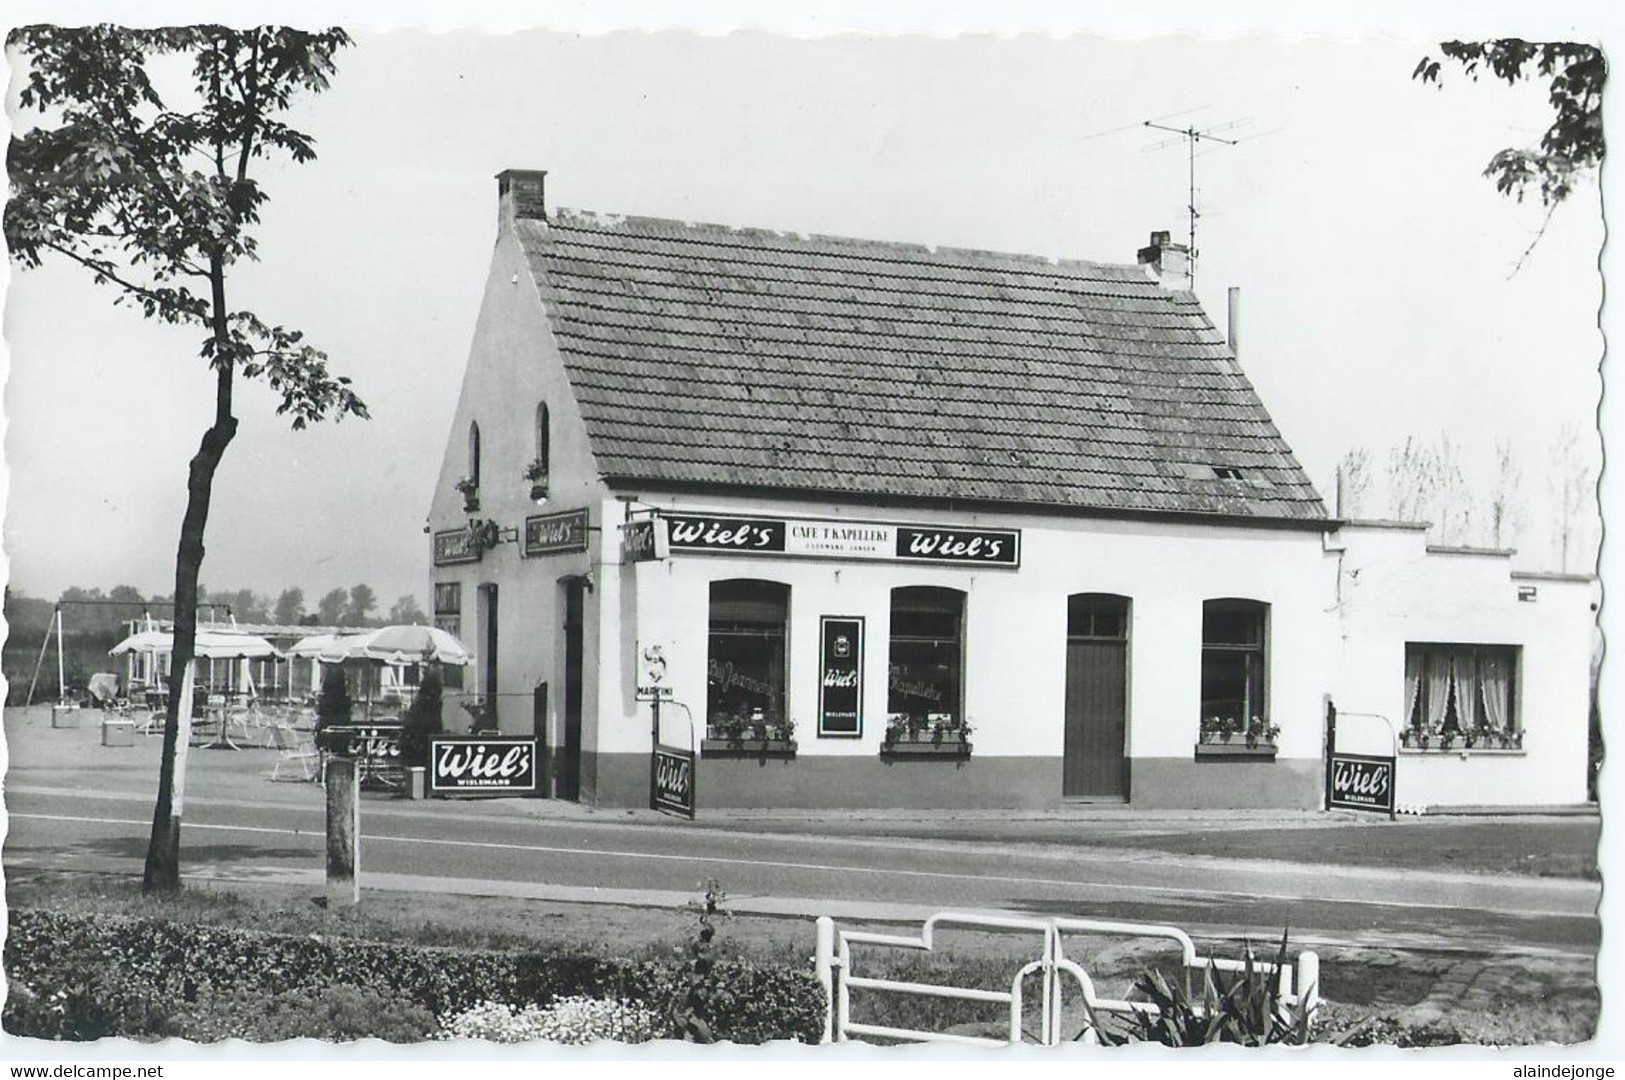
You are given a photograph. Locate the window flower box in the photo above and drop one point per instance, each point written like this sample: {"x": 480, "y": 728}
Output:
{"x": 747, "y": 747}
{"x": 536, "y": 477}
{"x": 469, "y": 488}
{"x": 932, "y": 736}
{"x": 753, "y": 736}
{"x": 1220, "y": 737}
{"x": 1451, "y": 741}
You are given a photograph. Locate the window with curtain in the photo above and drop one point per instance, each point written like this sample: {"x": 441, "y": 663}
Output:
{"x": 926, "y": 660}
{"x": 1461, "y": 691}
{"x": 745, "y": 662}
{"x": 1234, "y": 685}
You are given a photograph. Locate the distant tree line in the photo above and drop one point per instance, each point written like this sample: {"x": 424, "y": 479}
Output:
{"x": 356, "y": 606}
{"x": 90, "y": 630}
{"x": 1433, "y": 481}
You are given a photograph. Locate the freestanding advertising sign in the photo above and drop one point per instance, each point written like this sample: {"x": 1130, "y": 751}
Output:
{"x": 482, "y": 765}
{"x": 1362, "y": 782}
{"x": 1359, "y": 781}
{"x": 840, "y": 690}
{"x": 674, "y": 781}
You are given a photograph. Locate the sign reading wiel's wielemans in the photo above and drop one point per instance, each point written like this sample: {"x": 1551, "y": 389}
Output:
{"x": 840, "y": 690}
{"x": 834, "y": 539}
{"x": 673, "y": 781}
{"x": 482, "y": 765}
{"x": 453, "y": 546}
{"x": 1362, "y": 782}
{"x": 553, "y": 534}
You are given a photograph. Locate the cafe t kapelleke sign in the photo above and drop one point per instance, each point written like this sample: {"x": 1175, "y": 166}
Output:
{"x": 722, "y": 534}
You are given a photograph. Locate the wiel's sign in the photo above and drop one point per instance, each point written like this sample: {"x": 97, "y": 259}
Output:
{"x": 957, "y": 545}
{"x": 1362, "y": 782}
{"x": 673, "y": 782}
{"x": 484, "y": 765}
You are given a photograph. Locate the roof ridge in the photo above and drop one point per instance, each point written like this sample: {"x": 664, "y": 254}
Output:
{"x": 597, "y": 220}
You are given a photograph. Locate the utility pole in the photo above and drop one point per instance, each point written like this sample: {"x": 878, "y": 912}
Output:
{"x": 1192, "y": 136}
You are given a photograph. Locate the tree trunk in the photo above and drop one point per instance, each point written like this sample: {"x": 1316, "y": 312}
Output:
{"x": 163, "y": 869}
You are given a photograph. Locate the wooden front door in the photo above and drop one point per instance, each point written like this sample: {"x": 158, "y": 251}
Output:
{"x": 1095, "y": 758}
{"x": 567, "y": 772}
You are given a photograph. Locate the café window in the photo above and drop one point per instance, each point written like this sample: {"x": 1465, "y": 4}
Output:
{"x": 1233, "y": 663}
{"x": 1462, "y": 690}
{"x": 926, "y": 663}
{"x": 448, "y": 616}
{"x": 746, "y": 654}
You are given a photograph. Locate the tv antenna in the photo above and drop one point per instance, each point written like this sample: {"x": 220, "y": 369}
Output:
{"x": 1191, "y": 136}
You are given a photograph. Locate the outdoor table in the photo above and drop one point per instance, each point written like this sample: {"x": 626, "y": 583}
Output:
{"x": 222, "y": 714}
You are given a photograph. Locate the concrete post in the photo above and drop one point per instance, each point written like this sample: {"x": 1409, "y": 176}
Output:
{"x": 824, "y": 961}
{"x": 1308, "y": 983}
{"x": 342, "y": 776}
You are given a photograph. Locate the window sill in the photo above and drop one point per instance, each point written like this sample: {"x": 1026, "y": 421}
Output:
{"x": 1237, "y": 750}
{"x": 1464, "y": 751}
{"x": 947, "y": 748}
{"x": 757, "y": 748}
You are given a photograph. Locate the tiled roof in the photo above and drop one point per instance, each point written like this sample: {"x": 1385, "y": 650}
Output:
{"x": 702, "y": 354}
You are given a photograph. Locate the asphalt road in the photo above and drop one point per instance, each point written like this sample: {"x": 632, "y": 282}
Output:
{"x": 430, "y": 845}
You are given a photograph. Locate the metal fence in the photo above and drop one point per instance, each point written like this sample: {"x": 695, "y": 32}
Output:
{"x": 1298, "y": 983}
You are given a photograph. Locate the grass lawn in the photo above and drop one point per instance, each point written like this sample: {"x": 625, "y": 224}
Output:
{"x": 1385, "y": 993}
{"x": 1545, "y": 847}
{"x": 1534, "y": 846}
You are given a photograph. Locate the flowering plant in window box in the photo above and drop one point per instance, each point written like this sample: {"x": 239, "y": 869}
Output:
{"x": 757, "y": 733}
{"x": 1441, "y": 739}
{"x": 1220, "y": 736}
{"x": 469, "y": 488}
{"x": 926, "y": 735}
{"x": 536, "y": 477}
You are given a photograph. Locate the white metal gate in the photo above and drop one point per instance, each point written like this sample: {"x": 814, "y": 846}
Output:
{"x": 1299, "y": 983}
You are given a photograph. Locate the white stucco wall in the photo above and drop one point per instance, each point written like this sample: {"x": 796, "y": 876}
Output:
{"x": 1394, "y": 591}
{"x": 1015, "y": 624}
{"x": 513, "y": 365}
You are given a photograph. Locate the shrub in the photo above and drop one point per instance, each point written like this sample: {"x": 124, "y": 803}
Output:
{"x": 1246, "y": 1009}
{"x": 330, "y": 1013}
{"x": 576, "y": 1021}
{"x": 333, "y": 702}
{"x": 422, "y": 720}
{"x": 121, "y": 965}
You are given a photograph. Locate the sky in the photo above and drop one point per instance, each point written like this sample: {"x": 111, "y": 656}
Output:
{"x": 1374, "y": 262}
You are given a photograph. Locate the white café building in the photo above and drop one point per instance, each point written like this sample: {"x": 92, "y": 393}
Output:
{"x": 945, "y": 528}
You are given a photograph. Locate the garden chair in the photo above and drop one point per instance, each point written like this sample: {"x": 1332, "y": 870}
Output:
{"x": 298, "y": 754}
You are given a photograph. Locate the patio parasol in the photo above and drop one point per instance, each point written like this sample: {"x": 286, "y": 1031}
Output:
{"x": 400, "y": 644}
{"x": 211, "y": 645}
{"x": 312, "y": 647}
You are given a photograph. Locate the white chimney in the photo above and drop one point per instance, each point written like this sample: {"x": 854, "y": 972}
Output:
{"x": 1170, "y": 262}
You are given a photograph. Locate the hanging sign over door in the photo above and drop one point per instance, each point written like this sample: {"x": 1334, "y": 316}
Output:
{"x": 840, "y": 688}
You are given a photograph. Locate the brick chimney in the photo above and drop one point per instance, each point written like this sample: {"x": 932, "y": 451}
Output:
{"x": 1170, "y": 262}
{"x": 522, "y": 193}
